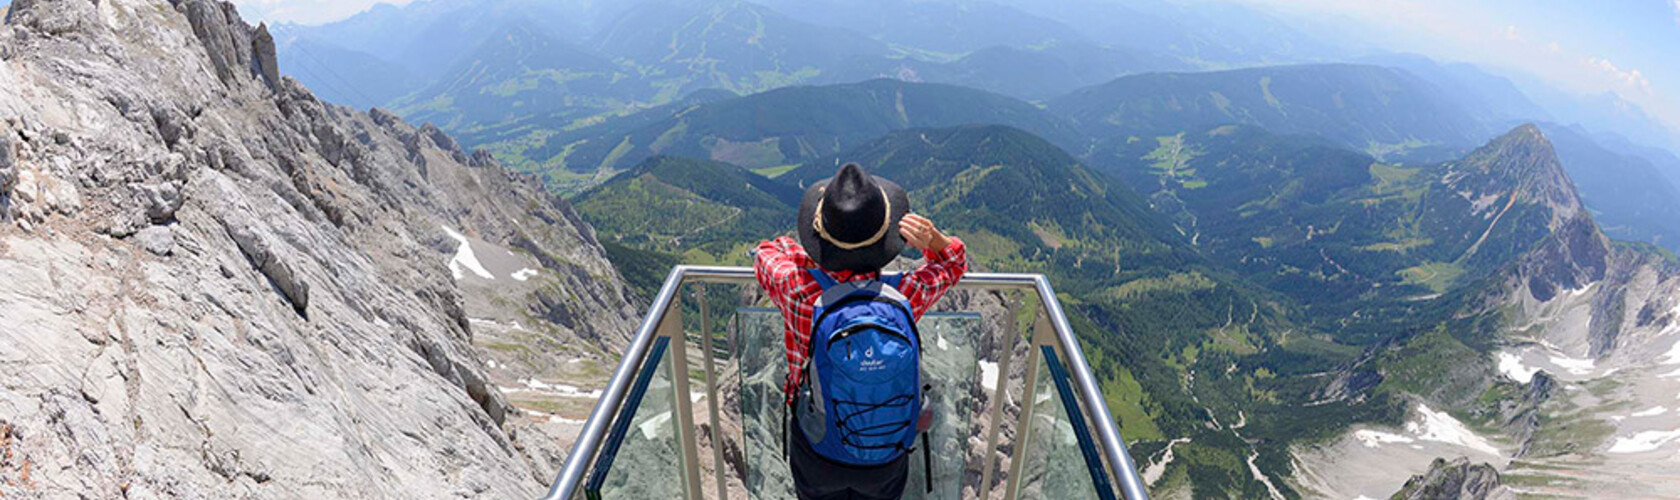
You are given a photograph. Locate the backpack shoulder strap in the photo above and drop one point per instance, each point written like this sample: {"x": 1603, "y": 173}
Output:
{"x": 823, "y": 278}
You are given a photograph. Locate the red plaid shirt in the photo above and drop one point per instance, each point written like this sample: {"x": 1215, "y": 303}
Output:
{"x": 783, "y": 270}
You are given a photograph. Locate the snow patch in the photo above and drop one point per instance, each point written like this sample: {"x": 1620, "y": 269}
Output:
{"x": 1579, "y": 366}
{"x": 1652, "y": 412}
{"x": 1443, "y": 428}
{"x": 552, "y": 418}
{"x": 556, "y": 390}
{"x": 524, "y": 274}
{"x": 1672, "y": 357}
{"x": 1644, "y": 441}
{"x": 1672, "y": 374}
{"x": 1582, "y": 291}
{"x": 988, "y": 375}
{"x": 1511, "y": 365}
{"x": 1374, "y": 439}
{"x": 512, "y": 325}
{"x": 464, "y": 258}
{"x": 943, "y": 345}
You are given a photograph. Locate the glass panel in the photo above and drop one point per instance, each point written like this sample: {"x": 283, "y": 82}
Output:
{"x": 646, "y": 463}
{"x": 717, "y": 302}
{"x": 1054, "y": 467}
{"x": 951, "y": 359}
{"x": 762, "y": 368}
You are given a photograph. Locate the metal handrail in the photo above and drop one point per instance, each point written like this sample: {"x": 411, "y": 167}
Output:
{"x": 570, "y": 477}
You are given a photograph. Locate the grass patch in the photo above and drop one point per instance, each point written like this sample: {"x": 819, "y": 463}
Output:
{"x": 776, "y": 171}
{"x": 1183, "y": 283}
{"x": 1397, "y": 246}
{"x": 1128, "y": 402}
{"x": 1437, "y": 276}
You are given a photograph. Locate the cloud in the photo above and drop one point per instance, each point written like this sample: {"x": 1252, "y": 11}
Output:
{"x": 1676, "y": 11}
{"x": 1631, "y": 78}
{"x": 1511, "y": 32}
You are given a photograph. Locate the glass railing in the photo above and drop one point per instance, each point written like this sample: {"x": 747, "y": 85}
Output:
{"x": 695, "y": 408}
{"x": 1062, "y": 462}
{"x": 645, "y": 436}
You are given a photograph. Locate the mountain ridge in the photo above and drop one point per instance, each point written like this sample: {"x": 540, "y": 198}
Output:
{"x": 794, "y": 124}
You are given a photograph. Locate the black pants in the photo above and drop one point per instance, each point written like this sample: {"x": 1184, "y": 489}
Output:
{"x": 817, "y": 478}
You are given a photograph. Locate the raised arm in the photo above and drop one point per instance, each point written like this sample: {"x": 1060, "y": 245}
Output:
{"x": 946, "y": 261}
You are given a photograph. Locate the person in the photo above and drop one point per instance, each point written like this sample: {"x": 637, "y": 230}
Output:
{"x": 849, "y": 228}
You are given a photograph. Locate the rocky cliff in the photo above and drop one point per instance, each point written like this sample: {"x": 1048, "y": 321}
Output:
{"x": 1455, "y": 480}
{"x": 212, "y": 284}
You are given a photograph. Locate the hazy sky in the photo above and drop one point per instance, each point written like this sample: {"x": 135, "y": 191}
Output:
{"x": 1629, "y": 47}
{"x": 304, "y": 11}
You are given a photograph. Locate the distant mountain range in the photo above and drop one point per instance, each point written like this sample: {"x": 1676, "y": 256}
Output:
{"x": 521, "y": 72}
{"x": 1398, "y": 119}
{"x": 789, "y": 126}
{"x": 1381, "y": 110}
{"x": 499, "y": 70}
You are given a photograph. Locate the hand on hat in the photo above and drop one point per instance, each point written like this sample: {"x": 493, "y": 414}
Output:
{"x": 920, "y": 233}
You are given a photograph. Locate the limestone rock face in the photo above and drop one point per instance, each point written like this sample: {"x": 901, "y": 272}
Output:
{"x": 1456, "y": 480}
{"x": 214, "y": 285}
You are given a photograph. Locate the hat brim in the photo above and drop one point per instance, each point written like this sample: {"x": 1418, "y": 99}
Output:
{"x": 869, "y": 258}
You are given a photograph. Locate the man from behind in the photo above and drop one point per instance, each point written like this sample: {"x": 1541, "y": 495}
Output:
{"x": 854, "y": 387}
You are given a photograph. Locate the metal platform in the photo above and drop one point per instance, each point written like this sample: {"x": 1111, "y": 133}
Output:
{"x": 1035, "y": 428}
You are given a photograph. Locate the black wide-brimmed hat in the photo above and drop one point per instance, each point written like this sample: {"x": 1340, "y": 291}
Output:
{"x": 850, "y": 222}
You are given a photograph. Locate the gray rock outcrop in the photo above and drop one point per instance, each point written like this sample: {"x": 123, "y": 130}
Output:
{"x": 217, "y": 286}
{"x": 1455, "y": 480}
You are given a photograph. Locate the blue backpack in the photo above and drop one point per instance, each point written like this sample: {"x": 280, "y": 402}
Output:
{"x": 861, "y": 399}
